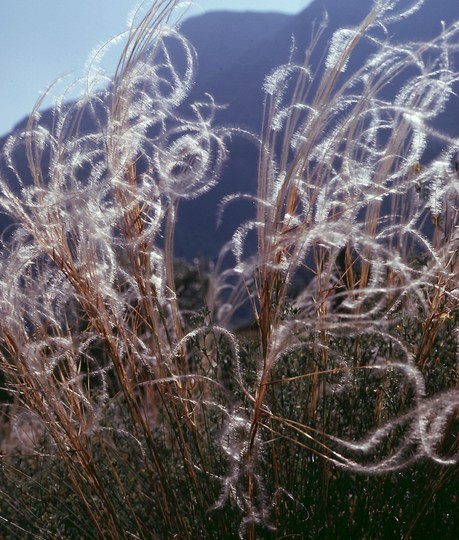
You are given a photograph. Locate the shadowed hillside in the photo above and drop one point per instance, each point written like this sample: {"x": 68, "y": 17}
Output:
{"x": 235, "y": 51}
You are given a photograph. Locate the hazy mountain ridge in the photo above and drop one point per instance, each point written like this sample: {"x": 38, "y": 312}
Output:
{"x": 239, "y": 85}
{"x": 235, "y": 52}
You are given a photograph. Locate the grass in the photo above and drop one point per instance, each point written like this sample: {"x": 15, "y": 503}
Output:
{"x": 134, "y": 407}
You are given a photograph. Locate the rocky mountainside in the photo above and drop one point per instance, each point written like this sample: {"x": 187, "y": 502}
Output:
{"x": 251, "y": 46}
{"x": 235, "y": 52}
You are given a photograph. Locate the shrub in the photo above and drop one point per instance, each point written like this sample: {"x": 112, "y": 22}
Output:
{"x": 130, "y": 416}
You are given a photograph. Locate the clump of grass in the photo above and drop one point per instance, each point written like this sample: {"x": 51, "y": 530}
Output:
{"x": 132, "y": 416}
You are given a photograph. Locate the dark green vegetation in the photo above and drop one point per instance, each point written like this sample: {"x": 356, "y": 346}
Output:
{"x": 313, "y": 497}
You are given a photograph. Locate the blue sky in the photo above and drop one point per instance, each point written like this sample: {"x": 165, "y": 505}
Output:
{"x": 41, "y": 40}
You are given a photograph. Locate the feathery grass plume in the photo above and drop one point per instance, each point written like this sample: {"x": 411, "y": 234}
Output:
{"x": 342, "y": 197}
{"x": 92, "y": 341}
{"x": 129, "y": 416}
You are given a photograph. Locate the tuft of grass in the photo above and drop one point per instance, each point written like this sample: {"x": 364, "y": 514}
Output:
{"x": 133, "y": 407}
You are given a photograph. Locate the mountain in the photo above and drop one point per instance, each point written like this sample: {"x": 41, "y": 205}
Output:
{"x": 238, "y": 84}
{"x": 235, "y": 52}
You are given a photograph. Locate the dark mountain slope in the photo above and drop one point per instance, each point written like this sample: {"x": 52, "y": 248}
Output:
{"x": 238, "y": 83}
{"x": 222, "y": 38}
{"x": 235, "y": 52}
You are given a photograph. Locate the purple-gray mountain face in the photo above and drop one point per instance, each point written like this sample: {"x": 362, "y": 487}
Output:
{"x": 235, "y": 52}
